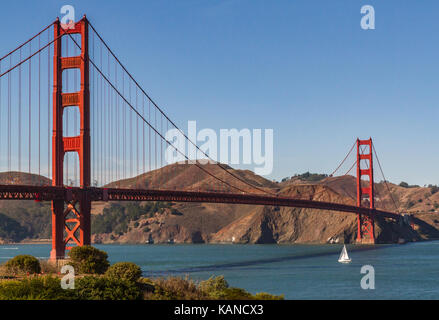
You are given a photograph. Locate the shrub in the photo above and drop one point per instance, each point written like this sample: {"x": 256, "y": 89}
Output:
{"x": 23, "y": 264}
{"x": 38, "y": 288}
{"x": 175, "y": 288}
{"x": 267, "y": 296}
{"x": 87, "y": 259}
{"x": 433, "y": 189}
{"x": 235, "y": 294}
{"x": 214, "y": 287}
{"x": 103, "y": 288}
{"x": 410, "y": 204}
{"x": 125, "y": 271}
{"x": 49, "y": 267}
{"x": 218, "y": 288}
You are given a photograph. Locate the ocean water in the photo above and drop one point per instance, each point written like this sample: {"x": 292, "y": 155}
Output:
{"x": 409, "y": 271}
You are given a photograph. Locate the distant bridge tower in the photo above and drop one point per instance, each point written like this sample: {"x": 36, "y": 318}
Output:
{"x": 70, "y": 217}
{"x": 365, "y": 224}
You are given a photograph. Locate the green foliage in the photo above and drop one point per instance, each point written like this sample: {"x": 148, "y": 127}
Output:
{"x": 214, "y": 287}
{"x": 175, "y": 288}
{"x": 23, "y": 264}
{"x": 25, "y": 219}
{"x": 112, "y": 288}
{"x": 406, "y": 185}
{"x": 10, "y": 229}
{"x": 125, "y": 271}
{"x": 36, "y": 288}
{"x": 433, "y": 188}
{"x": 88, "y": 259}
{"x": 410, "y": 204}
{"x": 175, "y": 212}
{"x": 104, "y": 288}
{"x": 267, "y": 296}
{"x": 236, "y": 294}
{"x": 117, "y": 217}
{"x": 311, "y": 176}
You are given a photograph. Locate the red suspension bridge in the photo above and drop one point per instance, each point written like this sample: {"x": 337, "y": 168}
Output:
{"x": 71, "y": 112}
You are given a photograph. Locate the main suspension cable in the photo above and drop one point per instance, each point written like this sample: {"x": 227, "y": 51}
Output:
{"x": 350, "y": 151}
{"x": 385, "y": 181}
{"x": 181, "y": 131}
{"x": 155, "y": 130}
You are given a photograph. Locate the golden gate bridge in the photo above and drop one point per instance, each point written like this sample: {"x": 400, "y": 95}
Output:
{"x": 71, "y": 112}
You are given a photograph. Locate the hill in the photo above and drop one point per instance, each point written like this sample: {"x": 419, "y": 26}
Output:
{"x": 149, "y": 222}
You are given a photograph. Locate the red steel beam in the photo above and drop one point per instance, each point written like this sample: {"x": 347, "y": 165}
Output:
{"x": 45, "y": 193}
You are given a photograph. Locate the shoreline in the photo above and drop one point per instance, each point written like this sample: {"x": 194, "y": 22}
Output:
{"x": 48, "y": 242}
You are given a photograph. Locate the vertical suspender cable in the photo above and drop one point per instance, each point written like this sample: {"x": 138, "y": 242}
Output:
{"x": 9, "y": 119}
{"x": 48, "y": 108}
{"x": 30, "y": 103}
{"x": 131, "y": 132}
{"x": 19, "y": 115}
{"x": 1, "y": 113}
{"x": 39, "y": 106}
{"x": 149, "y": 136}
{"x": 143, "y": 133}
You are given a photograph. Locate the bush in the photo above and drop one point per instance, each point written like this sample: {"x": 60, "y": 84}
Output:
{"x": 235, "y": 294}
{"x": 87, "y": 259}
{"x": 38, "y": 288}
{"x": 218, "y": 288}
{"x": 214, "y": 287}
{"x": 49, "y": 267}
{"x": 175, "y": 288}
{"x": 267, "y": 296}
{"x": 23, "y": 264}
{"x": 125, "y": 271}
{"x": 103, "y": 288}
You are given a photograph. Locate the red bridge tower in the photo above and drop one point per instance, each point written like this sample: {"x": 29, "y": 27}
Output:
{"x": 70, "y": 223}
{"x": 365, "y": 194}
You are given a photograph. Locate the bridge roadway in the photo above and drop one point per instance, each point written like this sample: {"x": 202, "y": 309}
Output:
{"x": 47, "y": 193}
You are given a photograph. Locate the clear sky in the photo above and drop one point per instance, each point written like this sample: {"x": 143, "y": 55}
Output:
{"x": 304, "y": 68}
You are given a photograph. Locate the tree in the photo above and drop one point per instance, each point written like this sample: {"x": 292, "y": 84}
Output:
{"x": 89, "y": 260}
{"x": 23, "y": 264}
{"x": 125, "y": 271}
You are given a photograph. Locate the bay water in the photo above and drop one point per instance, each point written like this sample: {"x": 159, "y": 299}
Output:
{"x": 409, "y": 271}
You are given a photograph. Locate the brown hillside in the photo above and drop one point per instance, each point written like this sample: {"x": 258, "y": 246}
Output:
{"x": 198, "y": 222}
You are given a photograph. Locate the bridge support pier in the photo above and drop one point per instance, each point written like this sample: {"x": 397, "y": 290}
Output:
{"x": 365, "y": 224}
{"x": 71, "y": 216}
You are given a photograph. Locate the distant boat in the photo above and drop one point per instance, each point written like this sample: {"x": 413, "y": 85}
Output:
{"x": 344, "y": 258}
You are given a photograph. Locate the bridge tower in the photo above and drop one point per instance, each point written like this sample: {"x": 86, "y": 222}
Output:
{"x": 70, "y": 217}
{"x": 365, "y": 194}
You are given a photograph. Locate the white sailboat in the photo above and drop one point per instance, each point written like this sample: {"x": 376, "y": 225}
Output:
{"x": 344, "y": 258}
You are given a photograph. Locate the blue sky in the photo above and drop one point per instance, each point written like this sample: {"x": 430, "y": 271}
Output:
{"x": 304, "y": 68}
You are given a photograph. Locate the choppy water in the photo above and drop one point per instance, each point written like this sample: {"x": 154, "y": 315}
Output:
{"x": 409, "y": 271}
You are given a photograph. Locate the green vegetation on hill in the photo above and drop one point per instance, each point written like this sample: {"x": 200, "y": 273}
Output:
{"x": 117, "y": 216}
{"x": 122, "y": 281}
{"x": 11, "y": 229}
{"x": 311, "y": 177}
{"x": 25, "y": 219}
{"x": 28, "y": 219}
{"x": 406, "y": 185}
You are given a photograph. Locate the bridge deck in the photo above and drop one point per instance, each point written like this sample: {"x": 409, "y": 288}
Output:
{"x": 47, "y": 193}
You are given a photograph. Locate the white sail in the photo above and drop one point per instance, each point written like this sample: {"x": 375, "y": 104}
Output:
{"x": 344, "y": 257}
